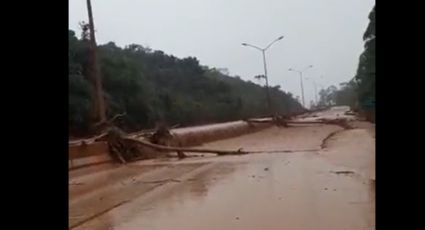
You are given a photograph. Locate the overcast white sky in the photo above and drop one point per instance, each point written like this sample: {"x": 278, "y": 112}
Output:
{"x": 324, "y": 33}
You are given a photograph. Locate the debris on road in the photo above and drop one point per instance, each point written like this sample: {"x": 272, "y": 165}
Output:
{"x": 159, "y": 181}
{"x": 76, "y": 183}
{"x": 324, "y": 141}
{"x": 342, "y": 172}
{"x": 151, "y": 188}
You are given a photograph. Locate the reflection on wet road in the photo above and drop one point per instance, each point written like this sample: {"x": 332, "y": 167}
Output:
{"x": 299, "y": 190}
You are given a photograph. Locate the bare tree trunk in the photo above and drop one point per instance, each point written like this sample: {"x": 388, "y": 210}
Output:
{"x": 177, "y": 149}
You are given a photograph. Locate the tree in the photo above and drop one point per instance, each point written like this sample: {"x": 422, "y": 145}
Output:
{"x": 365, "y": 76}
{"x": 328, "y": 96}
{"x": 151, "y": 86}
{"x": 347, "y": 95}
{"x": 360, "y": 89}
{"x": 259, "y": 77}
{"x": 331, "y": 95}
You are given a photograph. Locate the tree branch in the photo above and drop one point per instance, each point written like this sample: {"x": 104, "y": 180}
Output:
{"x": 177, "y": 149}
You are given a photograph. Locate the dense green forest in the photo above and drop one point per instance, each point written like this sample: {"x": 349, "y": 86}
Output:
{"x": 359, "y": 92}
{"x": 151, "y": 86}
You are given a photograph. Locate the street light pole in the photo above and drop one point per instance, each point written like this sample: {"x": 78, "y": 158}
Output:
{"x": 302, "y": 87}
{"x": 263, "y": 51}
{"x": 267, "y": 81}
{"x": 301, "y": 80}
{"x": 315, "y": 89}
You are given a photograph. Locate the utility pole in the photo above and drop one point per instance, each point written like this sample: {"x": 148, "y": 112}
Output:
{"x": 98, "y": 106}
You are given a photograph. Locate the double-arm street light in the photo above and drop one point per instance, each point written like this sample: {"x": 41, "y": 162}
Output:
{"x": 301, "y": 80}
{"x": 315, "y": 87}
{"x": 263, "y": 51}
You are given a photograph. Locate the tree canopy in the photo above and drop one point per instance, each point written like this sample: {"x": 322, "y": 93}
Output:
{"x": 359, "y": 92}
{"x": 365, "y": 76}
{"x": 151, "y": 86}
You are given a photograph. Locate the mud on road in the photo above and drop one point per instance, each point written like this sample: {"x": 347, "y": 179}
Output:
{"x": 279, "y": 190}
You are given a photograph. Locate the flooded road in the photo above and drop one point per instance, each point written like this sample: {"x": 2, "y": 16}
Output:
{"x": 316, "y": 189}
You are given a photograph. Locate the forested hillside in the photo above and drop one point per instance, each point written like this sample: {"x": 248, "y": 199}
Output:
{"x": 151, "y": 86}
{"x": 359, "y": 92}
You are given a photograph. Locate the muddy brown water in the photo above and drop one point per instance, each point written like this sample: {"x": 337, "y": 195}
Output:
{"x": 298, "y": 190}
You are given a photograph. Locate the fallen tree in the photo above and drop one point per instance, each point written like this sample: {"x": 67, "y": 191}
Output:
{"x": 339, "y": 121}
{"x": 179, "y": 149}
{"x": 285, "y": 122}
{"x": 280, "y": 121}
{"x": 125, "y": 148}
